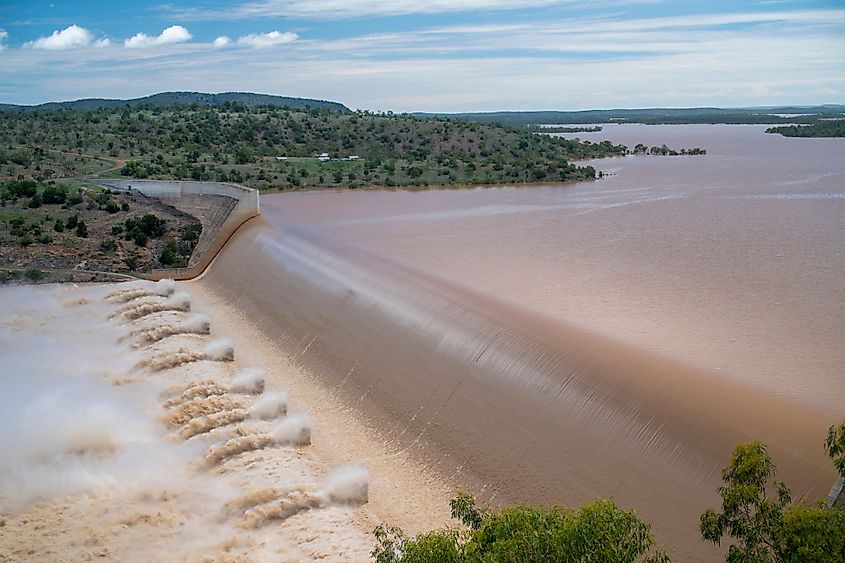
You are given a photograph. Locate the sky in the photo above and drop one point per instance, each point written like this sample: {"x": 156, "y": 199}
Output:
{"x": 432, "y": 55}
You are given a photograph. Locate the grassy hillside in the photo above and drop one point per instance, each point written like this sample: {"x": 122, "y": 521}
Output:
{"x": 272, "y": 147}
{"x": 168, "y": 99}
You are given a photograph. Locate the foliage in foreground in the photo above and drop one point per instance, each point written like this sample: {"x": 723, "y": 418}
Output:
{"x": 763, "y": 529}
{"x": 774, "y": 529}
{"x": 598, "y": 531}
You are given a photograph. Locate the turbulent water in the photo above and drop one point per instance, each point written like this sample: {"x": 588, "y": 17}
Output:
{"x": 558, "y": 343}
{"x": 121, "y": 446}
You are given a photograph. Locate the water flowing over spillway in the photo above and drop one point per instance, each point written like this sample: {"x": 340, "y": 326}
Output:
{"x": 512, "y": 406}
{"x": 454, "y": 321}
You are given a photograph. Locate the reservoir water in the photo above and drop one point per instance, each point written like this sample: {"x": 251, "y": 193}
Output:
{"x": 556, "y": 343}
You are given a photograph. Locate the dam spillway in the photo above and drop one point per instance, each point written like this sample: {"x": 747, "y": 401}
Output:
{"x": 510, "y": 406}
{"x": 708, "y": 287}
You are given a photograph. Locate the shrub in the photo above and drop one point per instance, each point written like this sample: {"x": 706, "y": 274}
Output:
{"x": 26, "y": 240}
{"x": 192, "y": 232}
{"x": 58, "y": 226}
{"x": 149, "y": 224}
{"x": 813, "y": 533}
{"x": 8, "y": 275}
{"x": 21, "y": 188}
{"x": 81, "y": 229}
{"x": 172, "y": 255}
{"x": 34, "y": 274}
{"x": 139, "y": 236}
{"x": 54, "y": 195}
{"x": 108, "y": 245}
{"x": 598, "y": 531}
{"x": 74, "y": 199}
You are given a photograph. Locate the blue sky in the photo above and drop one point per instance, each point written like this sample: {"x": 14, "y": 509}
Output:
{"x": 432, "y": 55}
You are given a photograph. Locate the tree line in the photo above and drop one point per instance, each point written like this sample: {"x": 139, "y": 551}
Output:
{"x": 239, "y": 143}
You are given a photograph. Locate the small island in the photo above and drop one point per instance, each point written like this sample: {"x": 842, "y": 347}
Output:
{"x": 821, "y": 128}
{"x": 561, "y": 129}
{"x": 663, "y": 150}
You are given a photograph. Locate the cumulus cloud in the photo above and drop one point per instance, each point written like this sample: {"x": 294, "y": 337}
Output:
{"x": 221, "y": 41}
{"x": 102, "y": 43}
{"x": 263, "y": 40}
{"x": 173, "y": 34}
{"x": 68, "y": 38}
{"x": 3, "y": 36}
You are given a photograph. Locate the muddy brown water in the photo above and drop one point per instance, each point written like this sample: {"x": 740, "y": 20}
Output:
{"x": 558, "y": 343}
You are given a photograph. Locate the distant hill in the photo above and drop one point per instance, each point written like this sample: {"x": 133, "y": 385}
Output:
{"x": 775, "y": 114}
{"x": 167, "y": 99}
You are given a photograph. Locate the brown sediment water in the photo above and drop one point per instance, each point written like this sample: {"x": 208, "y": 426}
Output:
{"x": 88, "y": 471}
{"x": 554, "y": 344}
{"x": 199, "y": 407}
{"x": 198, "y": 426}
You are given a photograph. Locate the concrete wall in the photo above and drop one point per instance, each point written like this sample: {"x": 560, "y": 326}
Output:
{"x": 837, "y": 494}
{"x": 216, "y": 231}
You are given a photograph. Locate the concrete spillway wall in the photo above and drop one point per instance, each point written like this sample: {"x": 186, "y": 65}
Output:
{"x": 221, "y": 207}
{"x": 836, "y": 497}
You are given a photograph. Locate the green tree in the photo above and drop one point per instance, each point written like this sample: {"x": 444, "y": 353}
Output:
{"x": 774, "y": 530}
{"x": 598, "y": 531}
{"x": 54, "y": 194}
{"x": 835, "y": 446}
{"x": 747, "y": 513}
{"x": 813, "y": 533}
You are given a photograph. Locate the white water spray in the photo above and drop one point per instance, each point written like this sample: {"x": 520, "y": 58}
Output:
{"x": 249, "y": 381}
{"x": 293, "y": 429}
{"x": 270, "y": 405}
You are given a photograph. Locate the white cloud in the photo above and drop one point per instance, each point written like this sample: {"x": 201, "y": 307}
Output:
{"x": 262, "y": 40}
{"x": 790, "y": 58}
{"x": 102, "y": 43}
{"x": 173, "y": 34}
{"x": 3, "y": 36}
{"x": 68, "y": 38}
{"x": 342, "y": 9}
{"x": 221, "y": 41}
